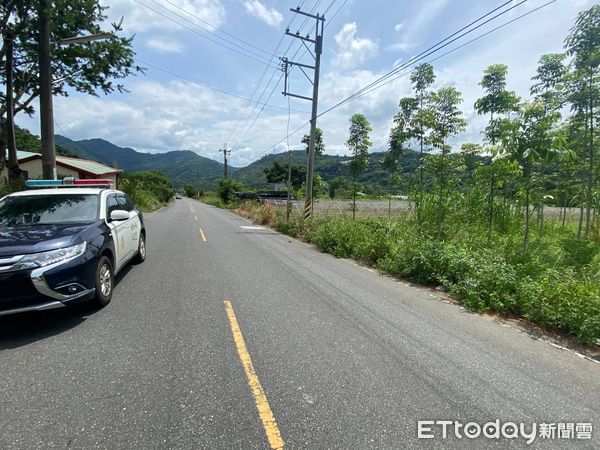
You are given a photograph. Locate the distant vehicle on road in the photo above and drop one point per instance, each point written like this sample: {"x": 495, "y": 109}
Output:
{"x": 178, "y": 196}
{"x": 63, "y": 245}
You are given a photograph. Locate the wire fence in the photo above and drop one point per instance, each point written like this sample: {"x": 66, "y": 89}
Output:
{"x": 385, "y": 208}
{"x": 378, "y": 208}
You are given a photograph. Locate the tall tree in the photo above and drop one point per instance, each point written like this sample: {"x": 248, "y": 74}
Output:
{"x": 548, "y": 89}
{"x": 448, "y": 121}
{"x": 422, "y": 78}
{"x": 583, "y": 45}
{"x": 358, "y": 143}
{"x": 497, "y": 102}
{"x": 90, "y": 68}
{"x": 319, "y": 145}
{"x": 278, "y": 173}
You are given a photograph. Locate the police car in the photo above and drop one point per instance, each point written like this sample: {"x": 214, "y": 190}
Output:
{"x": 64, "y": 243}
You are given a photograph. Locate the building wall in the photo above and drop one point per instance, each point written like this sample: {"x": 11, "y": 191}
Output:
{"x": 34, "y": 169}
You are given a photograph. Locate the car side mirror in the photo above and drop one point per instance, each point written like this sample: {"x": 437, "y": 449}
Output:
{"x": 118, "y": 215}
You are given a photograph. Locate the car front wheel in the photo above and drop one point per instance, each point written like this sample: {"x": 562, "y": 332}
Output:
{"x": 141, "y": 254}
{"x": 105, "y": 282}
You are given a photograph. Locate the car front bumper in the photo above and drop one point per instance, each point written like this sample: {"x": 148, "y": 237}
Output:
{"x": 54, "y": 286}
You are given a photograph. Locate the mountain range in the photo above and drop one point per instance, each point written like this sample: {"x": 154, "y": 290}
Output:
{"x": 185, "y": 166}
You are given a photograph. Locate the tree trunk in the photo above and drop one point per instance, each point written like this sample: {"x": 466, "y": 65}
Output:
{"x": 590, "y": 183}
{"x": 491, "y": 201}
{"x": 527, "y": 188}
{"x": 354, "y": 196}
{"x": 541, "y": 210}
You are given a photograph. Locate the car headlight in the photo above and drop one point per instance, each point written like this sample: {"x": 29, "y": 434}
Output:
{"x": 36, "y": 260}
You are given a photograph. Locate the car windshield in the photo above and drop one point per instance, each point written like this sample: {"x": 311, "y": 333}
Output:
{"x": 48, "y": 209}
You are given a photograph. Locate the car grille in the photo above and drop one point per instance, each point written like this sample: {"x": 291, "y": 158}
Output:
{"x": 17, "y": 290}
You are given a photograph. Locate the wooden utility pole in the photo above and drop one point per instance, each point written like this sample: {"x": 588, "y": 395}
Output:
{"x": 225, "y": 153}
{"x": 13, "y": 161}
{"x": 318, "y": 43}
{"x": 46, "y": 108}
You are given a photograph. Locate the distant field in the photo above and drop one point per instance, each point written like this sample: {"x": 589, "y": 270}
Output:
{"x": 379, "y": 208}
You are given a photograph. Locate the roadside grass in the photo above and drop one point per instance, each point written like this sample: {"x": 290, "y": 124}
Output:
{"x": 554, "y": 283}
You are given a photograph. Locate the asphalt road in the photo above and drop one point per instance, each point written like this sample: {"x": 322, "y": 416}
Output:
{"x": 338, "y": 355}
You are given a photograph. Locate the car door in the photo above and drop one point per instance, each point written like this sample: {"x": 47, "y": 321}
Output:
{"x": 119, "y": 231}
{"x": 132, "y": 228}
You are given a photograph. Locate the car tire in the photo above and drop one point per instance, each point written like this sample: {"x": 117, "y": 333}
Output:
{"x": 105, "y": 282}
{"x": 141, "y": 254}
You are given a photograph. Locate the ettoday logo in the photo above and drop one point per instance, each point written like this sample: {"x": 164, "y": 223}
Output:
{"x": 430, "y": 429}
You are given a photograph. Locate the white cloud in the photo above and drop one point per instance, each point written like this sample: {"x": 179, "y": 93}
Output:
{"x": 165, "y": 45}
{"x": 271, "y": 17}
{"x": 138, "y": 18}
{"x": 352, "y": 52}
{"x": 419, "y": 25}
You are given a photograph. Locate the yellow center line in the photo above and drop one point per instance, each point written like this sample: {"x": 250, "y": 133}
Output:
{"x": 262, "y": 404}
{"x": 202, "y": 236}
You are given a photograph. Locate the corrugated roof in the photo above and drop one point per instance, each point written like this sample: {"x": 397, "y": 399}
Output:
{"x": 86, "y": 165}
{"x": 22, "y": 155}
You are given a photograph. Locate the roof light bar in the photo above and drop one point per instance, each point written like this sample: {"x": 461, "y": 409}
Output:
{"x": 68, "y": 182}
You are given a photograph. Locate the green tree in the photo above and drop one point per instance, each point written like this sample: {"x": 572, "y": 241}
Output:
{"x": 583, "y": 45}
{"x": 319, "y": 145}
{"x": 336, "y": 184}
{"x": 358, "y": 143}
{"x": 89, "y": 68}
{"x": 548, "y": 89}
{"x": 497, "y": 102}
{"x": 448, "y": 121}
{"x": 227, "y": 189}
{"x": 278, "y": 173}
{"x": 422, "y": 78}
{"x": 190, "y": 190}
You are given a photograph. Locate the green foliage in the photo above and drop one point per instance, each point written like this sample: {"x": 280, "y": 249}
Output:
{"x": 148, "y": 190}
{"x": 278, "y": 173}
{"x": 554, "y": 283}
{"x": 319, "y": 144}
{"x": 227, "y": 189}
{"x": 190, "y": 190}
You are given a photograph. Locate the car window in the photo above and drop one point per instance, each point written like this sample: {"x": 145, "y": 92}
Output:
{"x": 48, "y": 209}
{"x": 125, "y": 203}
{"x": 111, "y": 205}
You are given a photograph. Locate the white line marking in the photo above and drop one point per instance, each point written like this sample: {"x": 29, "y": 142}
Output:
{"x": 252, "y": 227}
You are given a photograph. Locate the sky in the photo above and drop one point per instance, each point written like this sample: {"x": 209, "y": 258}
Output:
{"x": 206, "y": 59}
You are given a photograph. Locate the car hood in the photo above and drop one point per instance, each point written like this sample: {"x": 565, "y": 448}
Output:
{"x": 24, "y": 239}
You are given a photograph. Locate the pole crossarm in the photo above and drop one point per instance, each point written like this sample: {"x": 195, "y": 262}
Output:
{"x": 303, "y": 13}
{"x": 289, "y": 94}
{"x": 297, "y": 35}
{"x": 80, "y": 39}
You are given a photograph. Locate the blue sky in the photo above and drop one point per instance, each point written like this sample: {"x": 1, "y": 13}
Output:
{"x": 364, "y": 40}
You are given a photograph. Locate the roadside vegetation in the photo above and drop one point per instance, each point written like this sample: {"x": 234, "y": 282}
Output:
{"x": 148, "y": 190}
{"x": 478, "y": 224}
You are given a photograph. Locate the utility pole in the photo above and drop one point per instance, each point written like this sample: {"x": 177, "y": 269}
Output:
{"x": 13, "y": 161}
{"x": 318, "y": 43}
{"x": 225, "y": 153}
{"x": 46, "y": 108}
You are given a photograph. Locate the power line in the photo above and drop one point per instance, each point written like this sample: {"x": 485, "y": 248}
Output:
{"x": 245, "y": 118}
{"x": 181, "y": 77}
{"x": 247, "y": 130}
{"x": 243, "y": 53}
{"x": 245, "y": 127}
{"x": 434, "y": 48}
{"x": 217, "y": 29}
{"x": 375, "y": 85}
{"x": 461, "y": 46}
